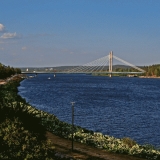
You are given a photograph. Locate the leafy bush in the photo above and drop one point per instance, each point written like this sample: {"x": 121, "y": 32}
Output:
{"x": 18, "y": 143}
{"x": 129, "y": 142}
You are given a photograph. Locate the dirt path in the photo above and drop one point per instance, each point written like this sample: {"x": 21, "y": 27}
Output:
{"x": 2, "y": 82}
{"x": 82, "y": 151}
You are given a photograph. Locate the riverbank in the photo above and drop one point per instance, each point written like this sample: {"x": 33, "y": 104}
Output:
{"x": 33, "y": 117}
{"x": 14, "y": 77}
{"x": 21, "y": 134}
{"x": 148, "y": 77}
{"x": 84, "y": 152}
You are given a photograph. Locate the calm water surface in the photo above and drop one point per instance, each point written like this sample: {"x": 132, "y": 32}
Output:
{"x": 120, "y": 107}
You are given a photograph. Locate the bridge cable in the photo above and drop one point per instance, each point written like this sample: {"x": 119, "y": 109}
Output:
{"x": 121, "y": 60}
{"x": 89, "y": 67}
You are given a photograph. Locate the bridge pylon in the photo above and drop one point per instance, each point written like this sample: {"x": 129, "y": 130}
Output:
{"x": 99, "y": 66}
{"x": 110, "y": 63}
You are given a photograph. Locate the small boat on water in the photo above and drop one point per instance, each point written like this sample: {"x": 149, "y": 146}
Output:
{"x": 31, "y": 76}
{"x": 49, "y": 78}
{"x": 54, "y": 75}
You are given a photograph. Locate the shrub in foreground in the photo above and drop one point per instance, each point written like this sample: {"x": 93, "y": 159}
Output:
{"x": 18, "y": 143}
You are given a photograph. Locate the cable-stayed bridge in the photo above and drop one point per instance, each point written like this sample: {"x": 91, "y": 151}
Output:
{"x": 104, "y": 65}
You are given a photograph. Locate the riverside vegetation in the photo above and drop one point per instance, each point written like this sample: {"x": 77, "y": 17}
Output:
{"x": 21, "y": 134}
{"x": 23, "y": 127}
{"x": 7, "y": 71}
{"x": 153, "y": 70}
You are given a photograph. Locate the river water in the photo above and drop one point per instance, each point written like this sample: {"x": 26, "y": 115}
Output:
{"x": 117, "y": 106}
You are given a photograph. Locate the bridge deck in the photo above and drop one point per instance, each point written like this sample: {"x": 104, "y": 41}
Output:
{"x": 83, "y": 72}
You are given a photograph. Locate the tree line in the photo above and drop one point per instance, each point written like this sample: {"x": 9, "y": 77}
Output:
{"x": 153, "y": 70}
{"x": 7, "y": 71}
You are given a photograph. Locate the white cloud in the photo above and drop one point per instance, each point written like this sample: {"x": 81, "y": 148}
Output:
{"x": 24, "y": 48}
{"x": 9, "y": 35}
{"x": 2, "y": 28}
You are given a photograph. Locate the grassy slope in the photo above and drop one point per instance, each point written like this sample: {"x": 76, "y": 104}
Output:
{"x": 21, "y": 135}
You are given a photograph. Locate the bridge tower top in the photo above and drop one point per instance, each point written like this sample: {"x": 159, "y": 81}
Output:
{"x": 110, "y": 61}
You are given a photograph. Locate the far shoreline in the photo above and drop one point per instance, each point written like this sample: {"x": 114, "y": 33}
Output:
{"x": 149, "y": 77}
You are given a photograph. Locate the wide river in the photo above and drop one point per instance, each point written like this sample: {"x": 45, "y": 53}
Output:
{"x": 117, "y": 106}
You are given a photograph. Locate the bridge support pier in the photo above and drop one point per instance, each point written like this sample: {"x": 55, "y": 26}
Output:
{"x": 110, "y": 63}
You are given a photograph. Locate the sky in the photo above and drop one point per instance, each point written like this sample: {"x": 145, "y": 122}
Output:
{"x": 46, "y": 33}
